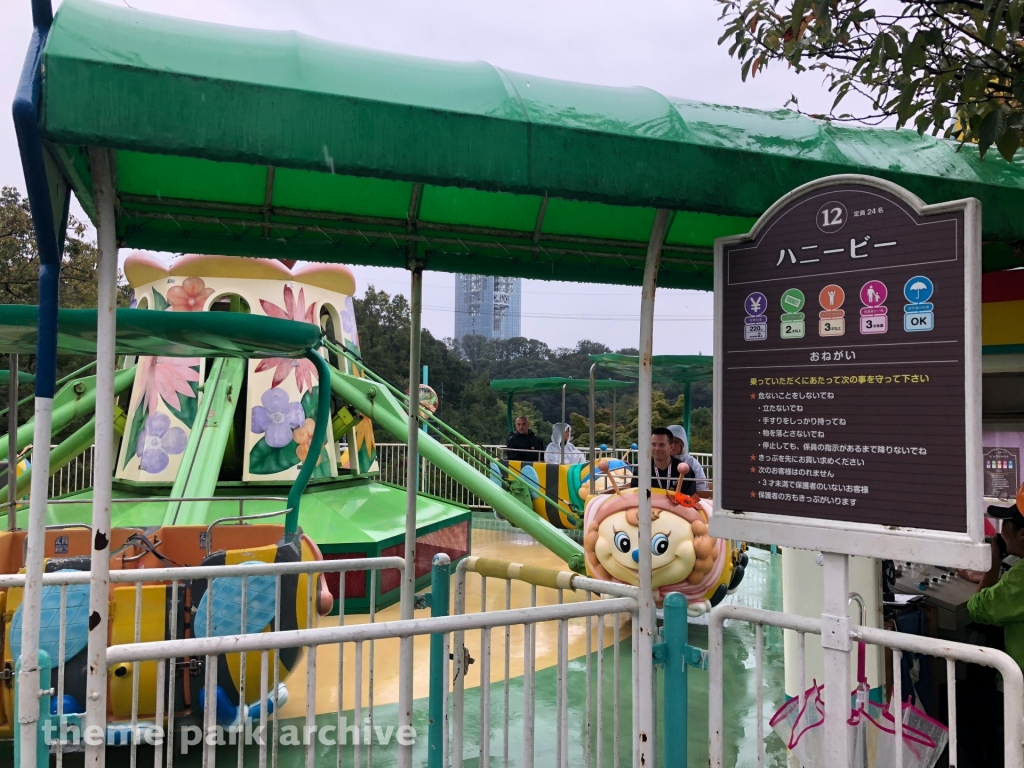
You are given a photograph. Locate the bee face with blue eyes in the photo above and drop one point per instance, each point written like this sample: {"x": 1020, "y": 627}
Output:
{"x": 672, "y": 552}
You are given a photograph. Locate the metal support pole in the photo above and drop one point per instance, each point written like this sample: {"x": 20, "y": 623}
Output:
{"x": 353, "y": 453}
{"x": 613, "y": 423}
{"x": 593, "y": 431}
{"x": 439, "y": 604}
{"x": 42, "y": 758}
{"x": 103, "y": 460}
{"x": 426, "y": 380}
{"x": 12, "y": 445}
{"x": 676, "y": 678}
{"x": 412, "y": 470}
{"x": 561, "y": 442}
{"x": 686, "y": 412}
{"x": 49, "y": 232}
{"x": 836, "y": 644}
{"x": 645, "y": 623}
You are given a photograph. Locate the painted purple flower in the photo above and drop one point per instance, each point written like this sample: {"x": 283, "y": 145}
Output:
{"x": 277, "y": 417}
{"x": 156, "y": 441}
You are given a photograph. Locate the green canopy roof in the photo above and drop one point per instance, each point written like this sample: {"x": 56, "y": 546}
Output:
{"x": 556, "y": 383}
{"x": 264, "y": 143}
{"x": 172, "y": 334}
{"x": 667, "y": 368}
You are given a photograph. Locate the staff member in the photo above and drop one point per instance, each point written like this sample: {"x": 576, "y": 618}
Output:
{"x": 1000, "y": 601}
{"x": 664, "y": 468}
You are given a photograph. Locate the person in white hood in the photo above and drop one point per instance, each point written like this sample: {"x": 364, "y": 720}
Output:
{"x": 561, "y": 434}
{"x": 681, "y": 451}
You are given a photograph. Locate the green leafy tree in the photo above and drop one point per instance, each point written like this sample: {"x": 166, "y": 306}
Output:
{"x": 19, "y": 279}
{"x": 663, "y": 413}
{"x": 701, "y": 437}
{"x": 952, "y": 68}
{"x": 383, "y": 324}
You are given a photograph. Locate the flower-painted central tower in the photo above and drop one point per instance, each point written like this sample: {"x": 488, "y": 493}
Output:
{"x": 197, "y": 429}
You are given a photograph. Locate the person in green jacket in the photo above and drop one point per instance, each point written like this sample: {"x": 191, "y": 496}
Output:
{"x": 1000, "y": 601}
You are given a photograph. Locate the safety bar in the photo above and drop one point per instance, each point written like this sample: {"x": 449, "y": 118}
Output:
{"x": 240, "y": 516}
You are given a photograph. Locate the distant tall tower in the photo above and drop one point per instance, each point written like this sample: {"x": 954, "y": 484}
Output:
{"x": 487, "y": 306}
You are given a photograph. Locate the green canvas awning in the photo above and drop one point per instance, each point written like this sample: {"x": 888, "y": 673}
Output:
{"x": 680, "y": 369}
{"x": 262, "y": 143}
{"x": 555, "y": 383}
{"x": 171, "y": 334}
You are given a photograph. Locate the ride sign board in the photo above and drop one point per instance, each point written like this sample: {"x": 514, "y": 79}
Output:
{"x": 849, "y": 433}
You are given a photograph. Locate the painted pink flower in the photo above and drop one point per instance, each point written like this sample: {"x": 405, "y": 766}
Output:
{"x": 167, "y": 378}
{"x": 294, "y": 309}
{"x": 190, "y": 296}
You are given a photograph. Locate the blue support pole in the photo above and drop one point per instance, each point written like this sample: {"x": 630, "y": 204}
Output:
{"x": 440, "y": 579}
{"x": 49, "y": 243}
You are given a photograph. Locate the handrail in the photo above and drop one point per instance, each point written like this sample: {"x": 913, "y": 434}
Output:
{"x": 165, "y": 500}
{"x": 183, "y": 573}
{"x": 268, "y": 641}
{"x": 208, "y": 539}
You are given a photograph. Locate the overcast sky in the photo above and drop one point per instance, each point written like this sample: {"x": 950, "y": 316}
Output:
{"x": 668, "y": 45}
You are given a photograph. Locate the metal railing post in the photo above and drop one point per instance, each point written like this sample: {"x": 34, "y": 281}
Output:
{"x": 103, "y": 462}
{"x": 405, "y": 654}
{"x": 439, "y": 604}
{"x": 42, "y": 752}
{"x": 593, "y": 430}
{"x": 644, "y": 703}
{"x": 676, "y": 679}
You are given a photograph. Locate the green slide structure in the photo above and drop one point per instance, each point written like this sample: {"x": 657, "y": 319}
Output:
{"x": 204, "y": 452}
{"x": 374, "y": 401}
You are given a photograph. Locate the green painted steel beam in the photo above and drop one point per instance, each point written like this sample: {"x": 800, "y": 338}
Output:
{"x": 75, "y": 445}
{"x": 204, "y": 452}
{"x": 76, "y": 399}
{"x": 374, "y": 401}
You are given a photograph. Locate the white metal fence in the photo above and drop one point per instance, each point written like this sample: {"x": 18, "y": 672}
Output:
{"x": 74, "y": 476}
{"x": 899, "y": 643}
{"x": 391, "y": 464}
{"x": 77, "y": 474}
{"x": 561, "y": 606}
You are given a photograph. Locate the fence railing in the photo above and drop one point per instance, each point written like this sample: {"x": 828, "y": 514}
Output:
{"x": 74, "y": 476}
{"x": 499, "y": 636}
{"x": 605, "y": 607}
{"x": 195, "y": 656}
{"x": 391, "y": 464}
{"x": 899, "y": 643}
{"x": 77, "y": 474}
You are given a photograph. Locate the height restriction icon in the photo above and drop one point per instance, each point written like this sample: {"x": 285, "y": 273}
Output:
{"x": 831, "y": 320}
{"x": 873, "y": 316}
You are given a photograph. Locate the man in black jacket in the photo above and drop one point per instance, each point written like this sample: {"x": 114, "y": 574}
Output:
{"x": 522, "y": 444}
